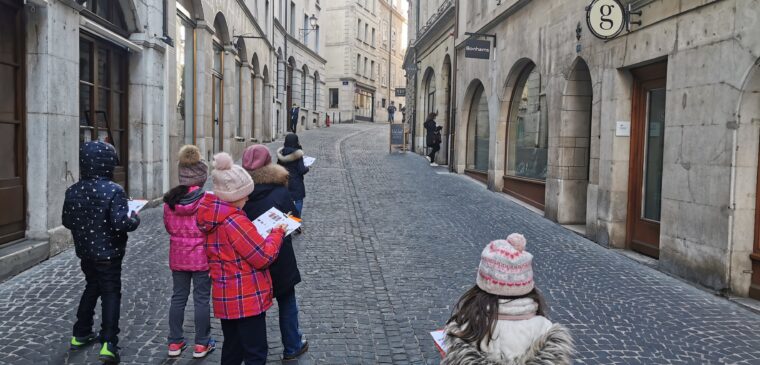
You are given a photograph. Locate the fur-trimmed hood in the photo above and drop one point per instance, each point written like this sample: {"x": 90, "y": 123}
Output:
{"x": 287, "y": 154}
{"x": 270, "y": 174}
{"x": 555, "y": 347}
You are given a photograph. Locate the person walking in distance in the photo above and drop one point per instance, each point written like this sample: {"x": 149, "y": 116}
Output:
{"x": 290, "y": 156}
{"x": 97, "y": 213}
{"x": 430, "y": 138}
{"x": 391, "y": 112}
{"x": 271, "y": 191}
{"x": 294, "y": 111}
{"x": 238, "y": 259}
{"x": 502, "y": 319}
{"x": 187, "y": 255}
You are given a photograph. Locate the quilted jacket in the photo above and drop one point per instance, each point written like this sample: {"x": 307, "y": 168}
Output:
{"x": 95, "y": 208}
{"x": 186, "y": 242}
{"x": 238, "y": 259}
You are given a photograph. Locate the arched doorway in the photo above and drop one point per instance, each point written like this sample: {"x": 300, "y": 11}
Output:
{"x": 289, "y": 84}
{"x": 239, "y": 83}
{"x": 266, "y": 106}
{"x": 305, "y": 87}
{"x": 186, "y": 21}
{"x": 256, "y": 101}
{"x": 478, "y": 134}
{"x": 220, "y": 40}
{"x": 527, "y": 138}
{"x": 12, "y": 123}
{"x": 103, "y": 83}
{"x": 749, "y": 114}
{"x": 571, "y": 167}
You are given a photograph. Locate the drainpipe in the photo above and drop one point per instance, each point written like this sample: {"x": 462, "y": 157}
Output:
{"x": 453, "y": 92}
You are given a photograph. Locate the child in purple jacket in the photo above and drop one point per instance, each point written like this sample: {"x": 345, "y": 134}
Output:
{"x": 187, "y": 255}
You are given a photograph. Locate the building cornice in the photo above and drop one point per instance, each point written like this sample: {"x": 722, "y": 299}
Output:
{"x": 442, "y": 19}
{"x": 298, "y": 43}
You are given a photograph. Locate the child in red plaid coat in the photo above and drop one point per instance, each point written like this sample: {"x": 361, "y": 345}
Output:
{"x": 238, "y": 259}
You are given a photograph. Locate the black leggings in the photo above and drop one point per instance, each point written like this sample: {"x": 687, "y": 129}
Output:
{"x": 434, "y": 149}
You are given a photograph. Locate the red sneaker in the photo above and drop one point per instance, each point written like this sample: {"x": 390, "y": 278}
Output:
{"x": 175, "y": 349}
{"x": 202, "y": 350}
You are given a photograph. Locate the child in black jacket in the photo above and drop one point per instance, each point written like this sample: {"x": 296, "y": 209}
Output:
{"x": 96, "y": 212}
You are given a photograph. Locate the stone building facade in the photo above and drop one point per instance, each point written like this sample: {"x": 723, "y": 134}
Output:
{"x": 647, "y": 141}
{"x": 146, "y": 76}
{"x": 365, "y": 53}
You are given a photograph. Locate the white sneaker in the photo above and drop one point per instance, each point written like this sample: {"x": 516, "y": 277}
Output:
{"x": 428, "y": 158}
{"x": 433, "y": 164}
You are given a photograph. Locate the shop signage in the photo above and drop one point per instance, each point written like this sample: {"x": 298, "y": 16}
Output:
{"x": 400, "y": 91}
{"x": 623, "y": 129}
{"x": 606, "y": 18}
{"x": 477, "y": 48}
{"x": 397, "y": 137}
{"x": 345, "y": 83}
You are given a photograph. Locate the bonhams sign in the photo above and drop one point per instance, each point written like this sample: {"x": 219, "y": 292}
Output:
{"x": 476, "y": 48}
{"x": 606, "y": 18}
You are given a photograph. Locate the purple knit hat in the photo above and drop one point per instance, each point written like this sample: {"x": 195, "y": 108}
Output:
{"x": 256, "y": 157}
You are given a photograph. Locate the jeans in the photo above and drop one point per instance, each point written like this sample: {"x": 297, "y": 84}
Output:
{"x": 245, "y": 340}
{"x": 291, "y": 334}
{"x": 391, "y": 117}
{"x": 103, "y": 280}
{"x": 299, "y": 207}
{"x": 201, "y": 293}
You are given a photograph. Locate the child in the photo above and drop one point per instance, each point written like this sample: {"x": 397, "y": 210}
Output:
{"x": 238, "y": 261}
{"x": 502, "y": 320}
{"x": 272, "y": 191}
{"x": 187, "y": 256}
{"x": 95, "y": 210}
{"x": 291, "y": 157}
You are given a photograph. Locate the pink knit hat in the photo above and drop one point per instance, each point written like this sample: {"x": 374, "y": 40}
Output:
{"x": 255, "y": 157}
{"x": 231, "y": 182}
{"x": 506, "y": 269}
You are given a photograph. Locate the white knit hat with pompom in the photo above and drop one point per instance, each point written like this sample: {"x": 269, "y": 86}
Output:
{"x": 231, "y": 182}
{"x": 506, "y": 269}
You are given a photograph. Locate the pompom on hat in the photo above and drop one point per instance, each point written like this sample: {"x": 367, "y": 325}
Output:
{"x": 193, "y": 170}
{"x": 506, "y": 269}
{"x": 231, "y": 182}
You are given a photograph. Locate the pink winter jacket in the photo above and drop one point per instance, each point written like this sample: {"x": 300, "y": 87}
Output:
{"x": 186, "y": 245}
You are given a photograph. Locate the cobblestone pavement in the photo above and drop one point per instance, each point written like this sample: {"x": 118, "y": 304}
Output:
{"x": 389, "y": 245}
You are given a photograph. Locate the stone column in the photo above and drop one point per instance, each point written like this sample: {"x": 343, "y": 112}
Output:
{"x": 204, "y": 54}
{"x": 259, "y": 115}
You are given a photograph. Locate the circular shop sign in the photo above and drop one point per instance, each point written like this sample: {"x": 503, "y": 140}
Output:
{"x": 605, "y": 18}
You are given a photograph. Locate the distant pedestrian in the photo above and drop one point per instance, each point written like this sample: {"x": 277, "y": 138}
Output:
{"x": 402, "y": 109}
{"x": 291, "y": 157}
{"x": 430, "y": 139}
{"x": 502, "y": 319}
{"x": 238, "y": 259}
{"x": 271, "y": 191}
{"x": 294, "y": 112}
{"x": 187, "y": 254}
{"x": 391, "y": 113}
{"x": 97, "y": 213}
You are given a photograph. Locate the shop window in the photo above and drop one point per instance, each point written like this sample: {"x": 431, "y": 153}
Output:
{"x": 108, "y": 13}
{"x": 478, "y": 133}
{"x": 527, "y": 134}
{"x": 185, "y": 77}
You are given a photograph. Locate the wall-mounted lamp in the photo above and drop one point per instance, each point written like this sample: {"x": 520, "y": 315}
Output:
{"x": 313, "y": 23}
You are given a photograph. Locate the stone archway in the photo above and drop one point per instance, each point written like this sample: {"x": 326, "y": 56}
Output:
{"x": 478, "y": 132}
{"x": 569, "y": 172}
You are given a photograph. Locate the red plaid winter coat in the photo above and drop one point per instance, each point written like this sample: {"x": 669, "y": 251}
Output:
{"x": 238, "y": 259}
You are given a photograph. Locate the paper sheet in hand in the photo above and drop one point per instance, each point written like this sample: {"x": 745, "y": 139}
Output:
{"x": 136, "y": 205}
{"x": 272, "y": 217}
{"x": 439, "y": 337}
{"x": 308, "y": 161}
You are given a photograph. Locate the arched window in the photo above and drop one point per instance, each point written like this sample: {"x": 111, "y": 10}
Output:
{"x": 527, "y": 131}
{"x": 304, "y": 82}
{"x": 185, "y": 54}
{"x": 316, "y": 89}
{"x": 478, "y": 133}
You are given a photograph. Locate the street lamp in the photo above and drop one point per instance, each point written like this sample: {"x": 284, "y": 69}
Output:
{"x": 313, "y": 23}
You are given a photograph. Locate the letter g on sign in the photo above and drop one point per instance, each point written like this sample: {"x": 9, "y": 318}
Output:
{"x": 605, "y": 18}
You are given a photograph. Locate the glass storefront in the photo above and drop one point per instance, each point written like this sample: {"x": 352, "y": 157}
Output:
{"x": 363, "y": 104}
{"x": 478, "y": 133}
{"x": 527, "y": 132}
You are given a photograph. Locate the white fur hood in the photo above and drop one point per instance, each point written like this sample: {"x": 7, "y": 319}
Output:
{"x": 289, "y": 158}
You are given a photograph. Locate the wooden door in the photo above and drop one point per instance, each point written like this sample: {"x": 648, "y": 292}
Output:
{"x": 218, "y": 120}
{"x": 12, "y": 134}
{"x": 754, "y": 289}
{"x": 647, "y": 145}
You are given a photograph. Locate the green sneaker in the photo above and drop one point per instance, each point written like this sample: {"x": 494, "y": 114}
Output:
{"x": 79, "y": 342}
{"x": 109, "y": 354}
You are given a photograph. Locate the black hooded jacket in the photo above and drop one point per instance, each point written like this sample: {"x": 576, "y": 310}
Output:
{"x": 270, "y": 190}
{"x": 95, "y": 208}
{"x": 290, "y": 156}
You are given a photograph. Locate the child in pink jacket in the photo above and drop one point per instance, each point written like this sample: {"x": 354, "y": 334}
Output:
{"x": 187, "y": 255}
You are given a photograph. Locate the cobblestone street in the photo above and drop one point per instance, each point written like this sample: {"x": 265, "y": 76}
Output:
{"x": 389, "y": 245}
